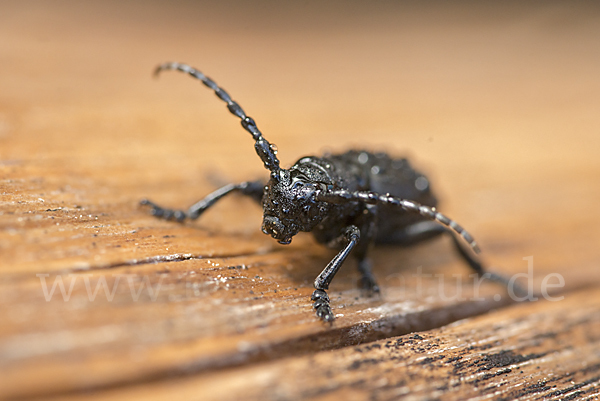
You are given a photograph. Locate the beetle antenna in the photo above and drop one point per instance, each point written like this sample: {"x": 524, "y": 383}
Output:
{"x": 342, "y": 196}
{"x": 266, "y": 151}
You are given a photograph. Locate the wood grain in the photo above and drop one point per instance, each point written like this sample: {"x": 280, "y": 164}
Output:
{"x": 537, "y": 351}
{"x": 497, "y": 104}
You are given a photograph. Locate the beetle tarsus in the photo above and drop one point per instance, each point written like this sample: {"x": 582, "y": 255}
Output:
{"x": 163, "y": 213}
{"x": 321, "y": 305}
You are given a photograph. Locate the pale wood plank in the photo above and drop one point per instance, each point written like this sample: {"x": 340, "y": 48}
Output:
{"x": 537, "y": 351}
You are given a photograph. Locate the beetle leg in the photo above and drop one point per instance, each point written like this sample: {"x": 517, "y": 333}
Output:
{"x": 321, "y": 300}
{"x": 367, "y": 222}
{"x": 367, "y": 280}
{"x": 254, "y": 189}
{"x": 426, "y": 230}
{"x": 483, "y": 272}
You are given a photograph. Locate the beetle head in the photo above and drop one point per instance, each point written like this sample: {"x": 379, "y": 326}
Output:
{"x": 289, "y": 203}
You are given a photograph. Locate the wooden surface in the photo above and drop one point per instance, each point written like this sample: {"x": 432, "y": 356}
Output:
{"x": 497, "y": 104}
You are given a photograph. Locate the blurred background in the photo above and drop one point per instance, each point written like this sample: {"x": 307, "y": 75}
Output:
{"x": 497, "y": 102}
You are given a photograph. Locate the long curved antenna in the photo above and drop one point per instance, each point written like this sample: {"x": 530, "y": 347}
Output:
{"x": 266, "y": 151}
{"x": 372, "y": 198}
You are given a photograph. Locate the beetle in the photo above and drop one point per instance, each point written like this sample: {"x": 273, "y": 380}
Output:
{"x": 348, "y": 201}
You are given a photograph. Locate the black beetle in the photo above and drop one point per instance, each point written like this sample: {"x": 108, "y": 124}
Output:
{"x": 347, "y": 201}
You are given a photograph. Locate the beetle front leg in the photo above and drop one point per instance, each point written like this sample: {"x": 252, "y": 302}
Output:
{"x": 321, "y": 300}
{"x": 254, "y": 189}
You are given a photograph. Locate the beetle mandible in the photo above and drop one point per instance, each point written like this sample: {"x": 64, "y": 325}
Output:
{"x": 348, "y": 201}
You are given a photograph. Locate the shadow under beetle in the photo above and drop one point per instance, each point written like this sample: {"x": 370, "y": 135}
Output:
{"x": 348, "y": 201}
